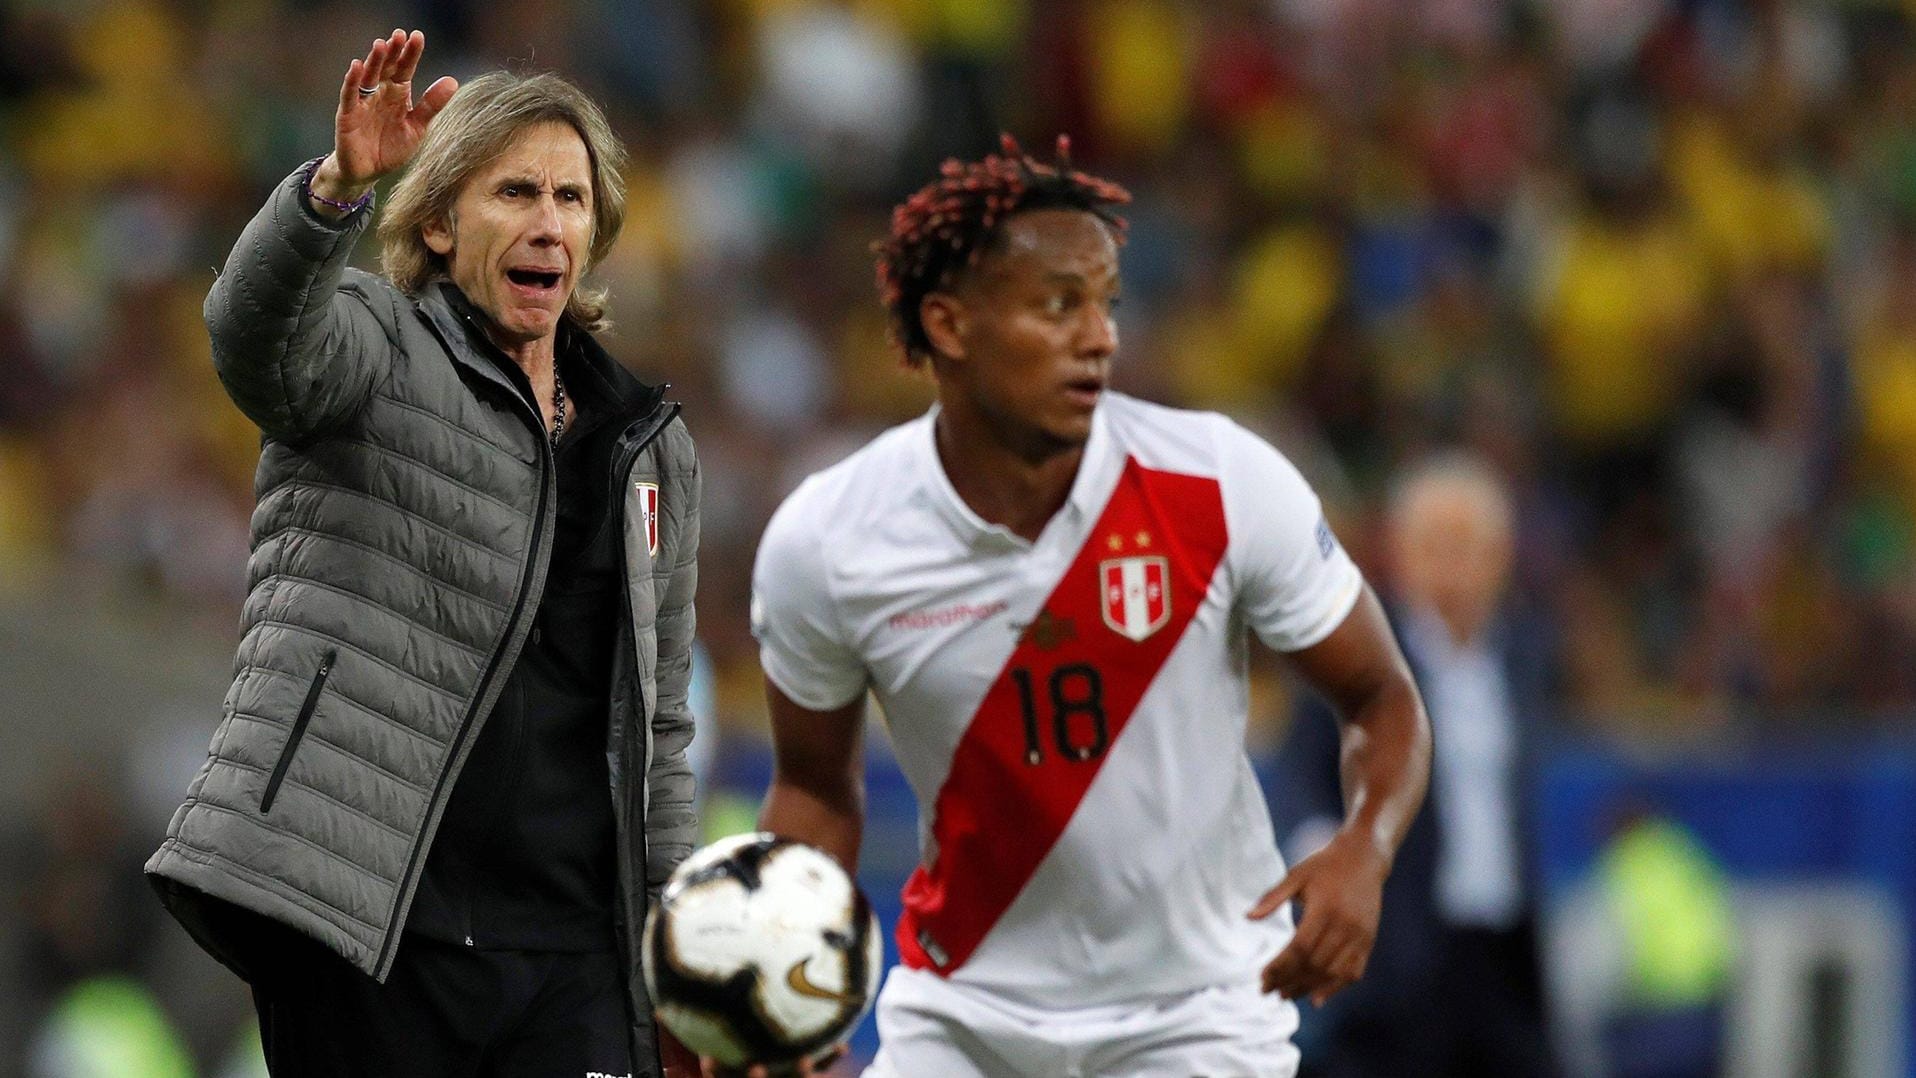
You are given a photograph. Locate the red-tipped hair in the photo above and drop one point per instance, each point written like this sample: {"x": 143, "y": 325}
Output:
{"x": 947, "y": 225}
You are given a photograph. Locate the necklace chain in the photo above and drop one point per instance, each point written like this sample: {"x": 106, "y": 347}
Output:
{"x": 558, "y": 407}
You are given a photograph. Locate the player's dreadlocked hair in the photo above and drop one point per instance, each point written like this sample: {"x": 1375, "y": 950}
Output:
{"x": 944, "y": 229}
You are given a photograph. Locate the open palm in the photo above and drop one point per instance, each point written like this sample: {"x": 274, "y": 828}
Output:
{"x": 376, "y": 132}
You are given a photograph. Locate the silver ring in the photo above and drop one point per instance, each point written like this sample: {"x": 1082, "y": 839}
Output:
{"x": 368, "y": 91}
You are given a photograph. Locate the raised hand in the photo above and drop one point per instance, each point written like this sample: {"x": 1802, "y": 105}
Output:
{"x": 378, "y": 125}
{"x": 1340, "y": 889}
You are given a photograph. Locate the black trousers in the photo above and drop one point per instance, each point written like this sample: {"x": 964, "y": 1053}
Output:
{"x": 446, "y": 1012}
{"x": 1484, "y": 1018}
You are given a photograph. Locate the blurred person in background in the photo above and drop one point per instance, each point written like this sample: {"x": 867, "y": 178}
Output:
{"x": 108, "y": 1025}
{"x": 88, "y": 931}
{"x": 1455, "y": 985}
{"x": 450, "y": 775}
{"x": 1050, "y": 588}
{"x": 1644, "y": 949}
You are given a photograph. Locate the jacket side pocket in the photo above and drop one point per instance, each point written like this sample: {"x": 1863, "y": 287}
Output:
{"x": 306, "y": 710}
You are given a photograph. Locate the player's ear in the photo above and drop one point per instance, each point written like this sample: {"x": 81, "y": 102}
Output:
{"x": 943, "y": 316}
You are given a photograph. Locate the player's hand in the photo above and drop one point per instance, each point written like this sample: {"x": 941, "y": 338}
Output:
{"x": 377, "y": 132}
{"x": 804, "y": 1068}
{"x": 1340, "y": 891}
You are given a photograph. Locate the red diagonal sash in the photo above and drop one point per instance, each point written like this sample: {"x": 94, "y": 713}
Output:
{"x": 999, "y": 813}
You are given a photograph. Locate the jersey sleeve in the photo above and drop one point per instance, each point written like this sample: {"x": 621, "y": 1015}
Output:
{"x": 1295, "y": 582}
{"x": 801, "y": 644}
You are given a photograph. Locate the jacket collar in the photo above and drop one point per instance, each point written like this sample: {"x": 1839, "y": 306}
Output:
{"x": 457, "y": 324}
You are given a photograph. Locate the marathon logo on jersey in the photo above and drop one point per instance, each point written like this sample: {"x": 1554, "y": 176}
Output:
{"x": 1137, "y": 594}
{"x": 956, "y": 614}
{"x": 649, "y": 513}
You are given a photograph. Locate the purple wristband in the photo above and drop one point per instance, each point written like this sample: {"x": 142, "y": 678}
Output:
{"x": 306, "y": 185}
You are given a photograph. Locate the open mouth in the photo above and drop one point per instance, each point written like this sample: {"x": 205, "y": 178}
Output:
{"x": 528, "y": 278}
{"x": 1085, "y": 387}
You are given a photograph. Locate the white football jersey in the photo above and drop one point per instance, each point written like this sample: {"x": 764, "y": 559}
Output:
{"x": 1070, "y": 712}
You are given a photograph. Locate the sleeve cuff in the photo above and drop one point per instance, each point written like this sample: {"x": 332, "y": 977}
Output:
{"x": 1334, "y": 614}
{"x": 813, "y": 698}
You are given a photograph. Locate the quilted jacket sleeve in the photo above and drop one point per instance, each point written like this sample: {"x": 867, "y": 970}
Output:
{"x": 671, "y": 820}
{"x": 295, "y": 352}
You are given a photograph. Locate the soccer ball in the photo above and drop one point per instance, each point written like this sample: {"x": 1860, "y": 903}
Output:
{"x": 761, "y": 950}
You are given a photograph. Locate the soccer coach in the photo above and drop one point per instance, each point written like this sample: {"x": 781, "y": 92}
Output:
{"x": 450, "y": 773}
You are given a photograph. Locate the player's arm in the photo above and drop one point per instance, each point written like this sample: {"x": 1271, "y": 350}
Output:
{"x": 817, "y": 796}
{"x": 815, "y": 681}
{"x": 818, "y": 778}
{"x": 1385, "y": 763}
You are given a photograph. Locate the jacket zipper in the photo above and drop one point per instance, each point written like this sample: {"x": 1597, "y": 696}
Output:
{"x": 621, "y": 475}
{"x": 306, "y": 709}
{"x": 402, "y": 900}
{"x": 407, "y": 880}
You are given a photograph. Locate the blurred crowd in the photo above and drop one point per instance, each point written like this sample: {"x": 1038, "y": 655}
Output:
{"x": 1655, "y": 259}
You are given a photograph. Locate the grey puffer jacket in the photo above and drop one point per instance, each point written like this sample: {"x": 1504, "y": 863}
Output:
{"x": 406, "y": 504}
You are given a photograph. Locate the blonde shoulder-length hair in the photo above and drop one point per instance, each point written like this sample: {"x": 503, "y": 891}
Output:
{"x": 475, "y": 127}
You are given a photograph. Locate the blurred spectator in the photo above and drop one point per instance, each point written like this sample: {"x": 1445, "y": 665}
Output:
{"x": 1647, "y": 943}
{"x": 108, "y": 1025}
{"x": 1618, "y": 299}
{"x": 1454, "y": 986}
{"x": 88, "y": 911}
{"x": 839, "y": 87}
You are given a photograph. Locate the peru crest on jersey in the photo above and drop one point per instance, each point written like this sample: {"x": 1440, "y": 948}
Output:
{"x": 1137, "y": 601}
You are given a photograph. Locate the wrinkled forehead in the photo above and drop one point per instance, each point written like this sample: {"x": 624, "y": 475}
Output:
{"x": 550, "y": 151}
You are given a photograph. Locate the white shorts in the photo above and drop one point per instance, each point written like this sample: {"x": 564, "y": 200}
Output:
{"x": 927, "y": 1026}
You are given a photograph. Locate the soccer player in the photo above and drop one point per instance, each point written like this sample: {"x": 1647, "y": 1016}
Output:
{"x": 1047, "y": 586}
